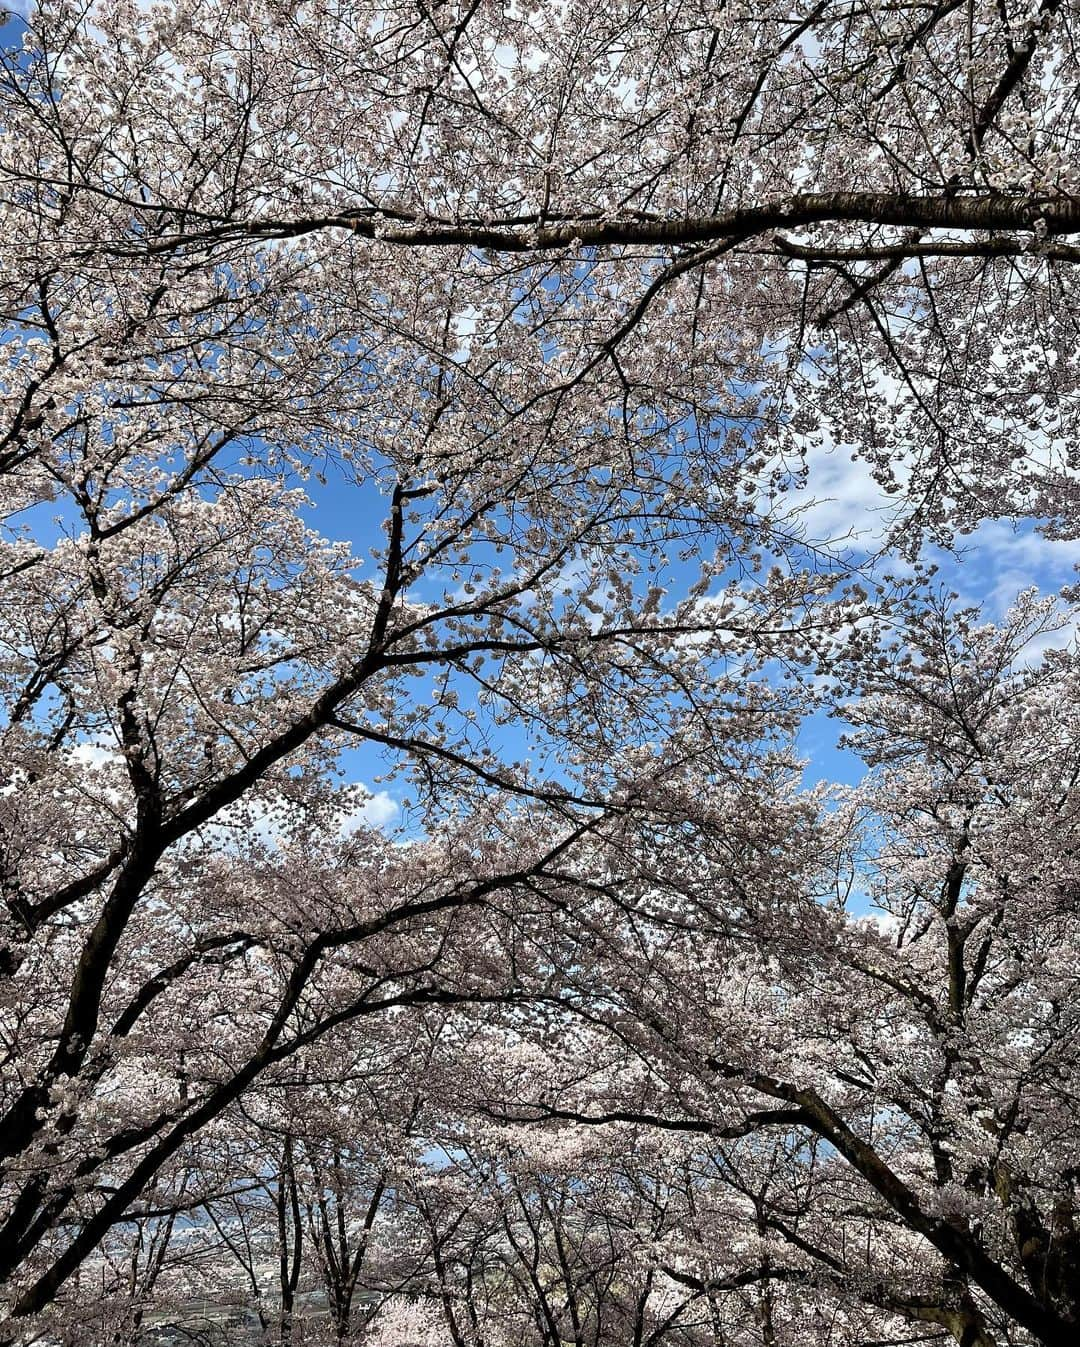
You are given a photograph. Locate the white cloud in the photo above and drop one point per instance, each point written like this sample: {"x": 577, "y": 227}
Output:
{"x": 841, "y": 501}
{"x": 376, "y": 809}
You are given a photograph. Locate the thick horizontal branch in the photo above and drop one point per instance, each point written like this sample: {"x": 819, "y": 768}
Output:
{"x": 787, "y": 1117}
{"x": 736, "y": 1280}
{"x": 975, "y": 213}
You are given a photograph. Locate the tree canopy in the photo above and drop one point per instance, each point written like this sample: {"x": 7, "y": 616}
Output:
{"x": 420, "y": 921}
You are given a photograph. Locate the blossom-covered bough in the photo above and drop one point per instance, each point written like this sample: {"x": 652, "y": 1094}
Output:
{"x": 892, "y": 1096}
{"x": 555, "y": 312}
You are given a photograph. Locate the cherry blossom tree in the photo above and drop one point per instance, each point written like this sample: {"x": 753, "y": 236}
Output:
{"x": 889, "y": 1096}
{"x": 548, "y": 1238}
{"x": 570, "y": 302}
{"x": 186, "y": 659}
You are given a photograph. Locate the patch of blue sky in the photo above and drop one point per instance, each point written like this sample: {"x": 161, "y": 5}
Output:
{"x": 14, "y": 17}
{"x": 44, "y": 523}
